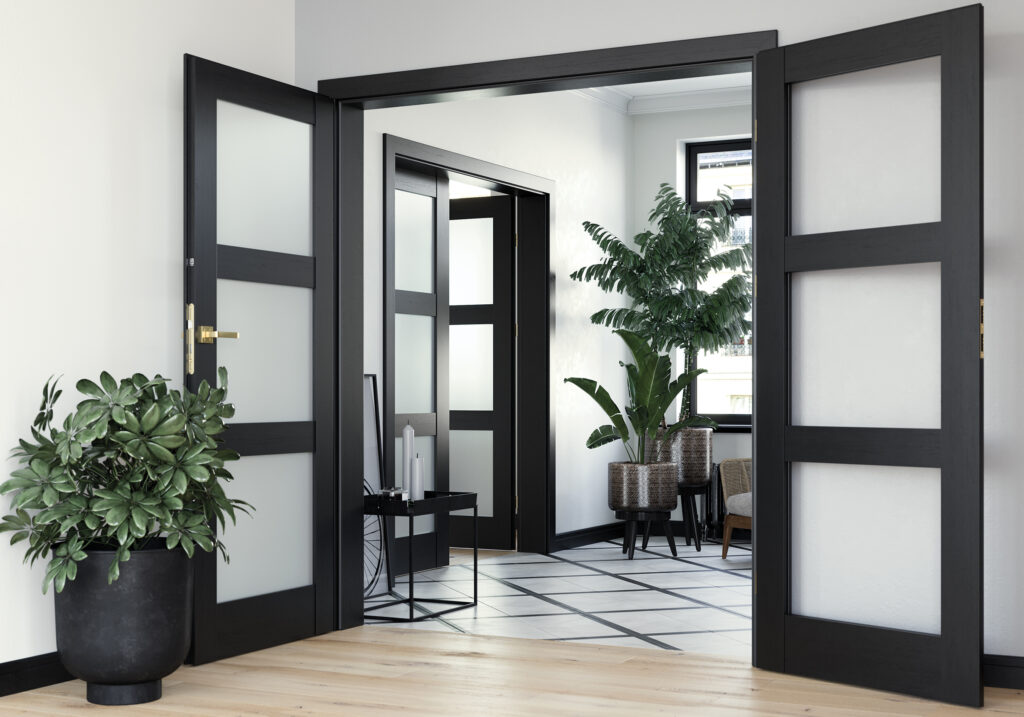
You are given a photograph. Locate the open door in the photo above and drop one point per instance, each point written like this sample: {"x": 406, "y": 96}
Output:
{"x": 260, "y": 291}
{"x": 868, "y": 417}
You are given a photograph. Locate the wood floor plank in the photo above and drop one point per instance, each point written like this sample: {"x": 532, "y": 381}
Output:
{"x": 377, "y": 670}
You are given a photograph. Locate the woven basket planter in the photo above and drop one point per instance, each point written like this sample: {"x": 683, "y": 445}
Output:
{"x": 690, "y": 450}
{"x": 642, "y": 486}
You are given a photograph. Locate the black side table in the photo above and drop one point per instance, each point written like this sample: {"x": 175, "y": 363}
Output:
{"x": 433, "y": 502}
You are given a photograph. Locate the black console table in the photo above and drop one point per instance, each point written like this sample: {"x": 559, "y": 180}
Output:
{"x": 432, "y": 503}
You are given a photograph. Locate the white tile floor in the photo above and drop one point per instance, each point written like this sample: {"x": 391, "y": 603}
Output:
{"x": 695, "y": 602}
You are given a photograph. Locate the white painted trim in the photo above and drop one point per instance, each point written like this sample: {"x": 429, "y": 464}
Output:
{"x": 608, "y": 96}
{"x": 697, "y": 100}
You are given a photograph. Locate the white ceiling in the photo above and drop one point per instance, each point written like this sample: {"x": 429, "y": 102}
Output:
{"x": 675, "y": 95}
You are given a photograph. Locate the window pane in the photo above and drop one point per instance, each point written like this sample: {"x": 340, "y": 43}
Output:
{"x": 272, "y": 549}
{"x": 727, "y": 387}
{"x": 471, "y": 454}
{"x": 866, "y": 347}
{"x": 414, "y": 242}
{"x": 264, "y": 180}
{"x": 414, "y": 363}
{"x": 728, "y": 172}
{"x": 866, "y": 148}
{"x": 866, "y": 545}
{"x": 471, "y": 261}
{"x": 471, "y": 367}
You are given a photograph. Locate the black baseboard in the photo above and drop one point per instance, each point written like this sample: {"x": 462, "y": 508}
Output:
{"x": 31, "y": 672}
{"x": 585, "y": 536}
{"x": 1003, "y": 671}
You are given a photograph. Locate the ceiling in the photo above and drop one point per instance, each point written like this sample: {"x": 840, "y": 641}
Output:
{"x": 675, "y": 95}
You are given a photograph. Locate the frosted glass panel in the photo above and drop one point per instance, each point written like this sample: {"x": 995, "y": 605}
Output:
{"x": 471, "y": 261}
{"x": 866, "y": 149}
{"x": 270, "y": 365}
{"x": 471, "y": 365}
{"x": 273, "y": 549}
{"x": 866, "y": 346}
{"x": 866, "y": 545}
{"x": 264, "y": 180}
{"x": 424, "y": 523}
{"x": 414, "y": 242}
{"x": 471, "y": 468}
{"x": 414, "y": 364}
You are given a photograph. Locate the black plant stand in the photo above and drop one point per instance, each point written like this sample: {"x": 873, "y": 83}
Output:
{"x": 633, "y": 517}
{"x": 433, "y": 502}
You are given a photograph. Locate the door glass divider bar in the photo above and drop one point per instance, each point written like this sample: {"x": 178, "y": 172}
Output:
{"x": 909, "y": 447}
{"x": 260, "y": 439}
{"x": 415, "y": 302}
{"x": 463, "y": 314}
{"x": 876, "y": 246}
{"x": 425, "y": 424}
{"x": 471, "y": 420}
{"x": 265, "y": 267}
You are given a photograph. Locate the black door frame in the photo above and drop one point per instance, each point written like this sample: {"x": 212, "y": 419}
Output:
{"x": 225, "y": 629}
{"x": 931, "y": 666}
{"x": 412, "y": 166}
{"x": 566, "y": 71}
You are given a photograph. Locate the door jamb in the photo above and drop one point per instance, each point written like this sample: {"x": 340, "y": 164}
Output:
{"x": 546, "y": 73}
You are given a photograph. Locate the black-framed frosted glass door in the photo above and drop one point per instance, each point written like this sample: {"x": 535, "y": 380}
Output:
{"x": 416, "y": 347}
{"x": 480, "y": 350}
{"x": 259, "y": 257}
{"x": 868, "y": 410}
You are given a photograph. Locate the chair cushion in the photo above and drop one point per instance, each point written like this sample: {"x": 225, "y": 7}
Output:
{"x": 742, "y": 504}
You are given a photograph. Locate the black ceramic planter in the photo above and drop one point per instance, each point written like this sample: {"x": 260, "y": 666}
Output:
{"x": 123, "y": 638}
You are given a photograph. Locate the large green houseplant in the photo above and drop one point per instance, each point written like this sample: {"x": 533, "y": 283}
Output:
{"x": 665, "y": 275}
{"x": 116, "y": 498}
{"x": 664, "y": 278}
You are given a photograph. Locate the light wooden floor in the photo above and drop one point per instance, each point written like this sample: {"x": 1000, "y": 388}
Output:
{"x": 377, "y": 671}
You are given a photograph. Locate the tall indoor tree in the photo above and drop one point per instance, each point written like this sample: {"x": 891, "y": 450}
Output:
{"x": 665, "y": 274}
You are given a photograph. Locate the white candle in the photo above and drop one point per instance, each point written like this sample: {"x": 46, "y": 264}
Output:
{"x": 408, "y": 443}
{"x": 416, "y": 487}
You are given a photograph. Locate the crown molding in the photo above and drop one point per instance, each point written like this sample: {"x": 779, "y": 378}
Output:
{"x": 696, "y": 100}
{"x": 608, "y": 96}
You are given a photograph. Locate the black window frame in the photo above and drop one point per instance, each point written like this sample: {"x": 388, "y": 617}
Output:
{"x": 727, "y": 422}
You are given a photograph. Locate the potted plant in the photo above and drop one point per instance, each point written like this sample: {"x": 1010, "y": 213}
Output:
{"x": 643, "y": 483}
{"x": 117, "y": 498}
{"x": 664, "y": 278}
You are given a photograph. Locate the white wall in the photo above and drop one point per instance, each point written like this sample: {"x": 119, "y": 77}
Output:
{"x": 353, "y": 38}
{"x": 91, "y": 206}
{"x": 584, "y": 147}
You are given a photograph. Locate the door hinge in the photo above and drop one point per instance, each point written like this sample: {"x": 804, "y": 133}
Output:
{"x": 515, "y": 240}
{"x": 517, "y": 329}
{"x": 755, "y": 129}
{"x": 981, "y": 327}
{"x": 190, "y": 262}
{"x": 755, "y": 286}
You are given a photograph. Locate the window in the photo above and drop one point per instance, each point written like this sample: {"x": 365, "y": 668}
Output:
{"x": 725, "y": 392}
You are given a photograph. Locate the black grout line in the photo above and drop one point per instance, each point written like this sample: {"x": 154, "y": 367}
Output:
{"x": 678, "y": 559}
{"x": 665, "y": 591}
{"x": 598, "y": 620}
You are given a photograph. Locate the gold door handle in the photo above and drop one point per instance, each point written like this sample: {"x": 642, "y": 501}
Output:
{"x": 207, "y": 334}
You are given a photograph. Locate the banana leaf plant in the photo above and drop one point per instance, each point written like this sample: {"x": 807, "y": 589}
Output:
{"x": 651, "y": 393}
{"x": 135, "y": 460}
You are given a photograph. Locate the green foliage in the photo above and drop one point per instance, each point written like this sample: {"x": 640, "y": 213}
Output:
{"x": 663, "y": 277}
{"x": 651, "y": 393}
{"x": 136, "y": 460}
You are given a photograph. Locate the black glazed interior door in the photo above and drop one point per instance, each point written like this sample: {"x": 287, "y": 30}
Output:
{"x": 260, "y": 257}
{"x": 480, "y": 350}
{"x": 868, "y": 408}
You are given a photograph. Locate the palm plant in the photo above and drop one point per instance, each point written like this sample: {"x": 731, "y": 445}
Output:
{"x": 651, "y": 393}
{"x": 664, "y": 275}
